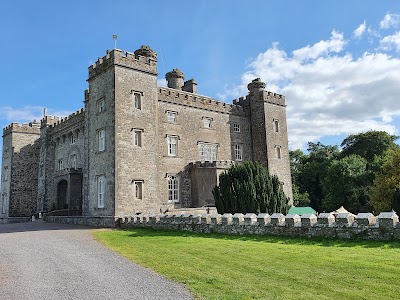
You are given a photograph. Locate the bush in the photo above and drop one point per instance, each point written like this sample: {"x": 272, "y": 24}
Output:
{"x": 248, "y": 188}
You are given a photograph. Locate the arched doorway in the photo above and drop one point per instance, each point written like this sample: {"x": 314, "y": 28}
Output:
{"x": 62, "y": 188}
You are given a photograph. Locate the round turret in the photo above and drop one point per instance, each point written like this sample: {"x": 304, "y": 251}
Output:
{"x": 256, "y": 86}
{"x": 146, "y": 51}
{"x": 175, "y": 79}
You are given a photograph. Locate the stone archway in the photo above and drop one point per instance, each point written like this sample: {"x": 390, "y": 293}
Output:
{"x": 62, "y": 189}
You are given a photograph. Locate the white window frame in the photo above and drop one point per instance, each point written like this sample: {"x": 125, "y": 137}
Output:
{"x": 137, "y": 100}
{"x": 238, "y": 149}
{"x": 172, "y": 143}
{"x": 171, "y": 116}
{"x": 101, "y": 189}
{"x": 207, "y": 122}
{"x": 208, "y": 151}
{"x": 173, "y": 188}
{"x": 60, "y": 165}
{"x": 101, "y": 137}
{"x": 137, "y": 137}
{"x": 101, "y": 105}
{"x": 236, "y": 127}
{"x": 138, "y": 189}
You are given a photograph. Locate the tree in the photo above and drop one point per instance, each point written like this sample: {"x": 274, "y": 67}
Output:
{"x": 248, "y": 188}
{"x": 345, "y": 184}
{"x": 368, "y": 144}
{"x": 384, "y": 194}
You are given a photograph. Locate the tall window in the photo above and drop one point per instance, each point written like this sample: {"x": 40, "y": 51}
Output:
{"x": 208, "y": 152}
{"x": 171, "y": 116}
{"x": 101, "y": 187}
{"x": 101, "y": 105}
{"x": 137, "y": 100}
{"x": 236, "y": 127}
{"x": 138, "y": 189}
{"x": 72, "y": 138}
{"x": 173, "y": 188}
{"x": 238, "y": 152}
{"x": 207, "y": 122}
{"x": 278, "y": 152}
{"x": 137, "y": 137}
{"x": 276, "y": 125}
{"x": 102, "y": 140}
{"x": 60, "y": 165}
{"x": 172, "y": 145}
{"x": 74, "y": 161}
{"x": 5, "y": 174}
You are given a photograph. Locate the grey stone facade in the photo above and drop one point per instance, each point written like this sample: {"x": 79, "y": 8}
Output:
{"x": 139, "y": 148}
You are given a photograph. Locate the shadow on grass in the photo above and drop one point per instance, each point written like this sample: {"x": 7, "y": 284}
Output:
{"x": 323, "y": 242}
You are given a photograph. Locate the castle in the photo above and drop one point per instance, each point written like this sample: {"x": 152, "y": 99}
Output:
{"x": 139, "y": 148}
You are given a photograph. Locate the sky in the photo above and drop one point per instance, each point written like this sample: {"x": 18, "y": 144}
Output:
{"x": 337, "y": 62}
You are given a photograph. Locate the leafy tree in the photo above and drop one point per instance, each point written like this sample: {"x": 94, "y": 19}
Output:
{"x": 300, "y": 199}
{"x": 248, "y": 188}
{"x": 309, "y": 171}
{"x": 368, "y": 144}
{"x": 345, "y": 184}
{"x": 384, "y": 194}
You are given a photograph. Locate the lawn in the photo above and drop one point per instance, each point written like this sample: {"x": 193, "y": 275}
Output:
{"x": 216, "y": 266}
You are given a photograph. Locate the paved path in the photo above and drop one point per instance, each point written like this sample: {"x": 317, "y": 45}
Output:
{"x": 56, "y": 261}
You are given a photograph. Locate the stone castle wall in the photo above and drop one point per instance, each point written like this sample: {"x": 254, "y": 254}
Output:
{"x": 344, "y": 226}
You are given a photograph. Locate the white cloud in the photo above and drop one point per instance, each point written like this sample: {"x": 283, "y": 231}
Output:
{"x": 329, "y": 92}
{"x": 27, "y": 113}
{"x": 360, "y": 30}
{"x": 161, "y": 82}
{"x": 391, "y": 42}
{"x": 390, "y": 20}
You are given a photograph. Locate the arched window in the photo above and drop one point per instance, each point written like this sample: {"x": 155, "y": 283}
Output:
{"x": 173, "y": 188}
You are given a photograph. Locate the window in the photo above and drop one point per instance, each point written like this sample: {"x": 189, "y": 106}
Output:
{"x": 60, "y": 165}
{"x": 74, "y": 161}
{"x": 173, "y": 188}
{"x": 207, "y": 122}
{"x": 172, "y": 145}
{"x": 276, "y": 125}
{"x": 101, "y": 105}
{"x": 72, "y": 139}
{"x": 137, "y": 137}
{"x": 101, "y": 187}
{"x": 238, "y": 152}
{"x": 208, "y": 152}
{"x": 102, "y": 140}
{"x": 171, "y": 116}
{"x": 137, "y": 100}
{"x": 138, "y": 189}
{"x": 236, "y": 127}
{"x": 278, "y": 152}
{"x": 5, "y": 174}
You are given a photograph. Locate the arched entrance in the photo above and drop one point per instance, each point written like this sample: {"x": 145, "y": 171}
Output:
{"x": 62, "y": 188}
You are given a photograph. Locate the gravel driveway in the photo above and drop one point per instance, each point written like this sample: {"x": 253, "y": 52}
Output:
{"x": 57, "y": 261}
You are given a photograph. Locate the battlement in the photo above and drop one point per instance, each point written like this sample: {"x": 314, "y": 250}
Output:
{"x": 61, "y": 123}
{"x": 138, "y": 61}
{"x": 30, "y": 128}
{"x": 220, "y": 164}
{"x": 386, "y": 226}
{"x": 274, "y": 98}
{"x": 198, "y": 101}
{"x": 242, "y": 101}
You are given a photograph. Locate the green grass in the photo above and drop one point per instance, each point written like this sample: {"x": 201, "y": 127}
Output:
{"x": 215, "y": 266}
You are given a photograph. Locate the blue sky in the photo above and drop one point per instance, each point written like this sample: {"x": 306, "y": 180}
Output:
{"x": 337, "y": 62}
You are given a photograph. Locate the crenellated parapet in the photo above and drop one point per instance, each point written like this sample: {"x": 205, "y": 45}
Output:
{"x": 385, "y": 226}
{"x": 59, "y": 124}
{"x": 144, "y": 59}
{"x": 273, "y": 98}
{"x": 220, "y": 164}
{"x": 202, "y": 102}
{"x": 29, "y": 128}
